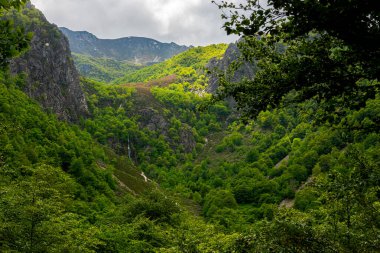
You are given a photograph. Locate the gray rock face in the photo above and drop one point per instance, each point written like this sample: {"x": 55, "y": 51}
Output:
{"x": 246, "y": 70}
{"x": 155, "y": 121}
{"x": 52, "y": 79}
{"x": 137, "y": 50}
{"x": 187, "y": 138}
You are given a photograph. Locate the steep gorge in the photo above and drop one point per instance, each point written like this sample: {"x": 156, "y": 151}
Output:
{"x": 67, "y": 186}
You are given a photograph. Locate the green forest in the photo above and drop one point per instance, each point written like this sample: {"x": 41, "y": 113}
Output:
{"x": 102, "y": 69}
{"x": 287, "y": 161}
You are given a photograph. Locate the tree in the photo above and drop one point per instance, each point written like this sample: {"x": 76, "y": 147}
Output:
{"x": 350, "y": 194}
{"x": 290, "y": 231}
{"x": 34, "y": 214}
{"x": 218, "y": 199}
{"x": 298, "y": 17}
{"x": 305, "y": 46}
{"x": 13, "y": 39}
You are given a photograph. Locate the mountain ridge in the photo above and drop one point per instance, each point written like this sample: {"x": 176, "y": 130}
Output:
{"x": 137, "y": 50}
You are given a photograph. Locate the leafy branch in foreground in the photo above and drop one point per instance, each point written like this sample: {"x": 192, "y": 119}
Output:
{"x": 295, "y": 51}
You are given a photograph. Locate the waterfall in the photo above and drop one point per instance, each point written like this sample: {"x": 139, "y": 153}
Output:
{"x": 129, "y": 149}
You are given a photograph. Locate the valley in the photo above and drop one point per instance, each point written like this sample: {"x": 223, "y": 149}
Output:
{"x": 177, "y": 152}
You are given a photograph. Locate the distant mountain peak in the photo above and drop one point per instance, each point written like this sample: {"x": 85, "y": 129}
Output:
{"x": 132, "y": 49}
{"x": 79, "y": 34}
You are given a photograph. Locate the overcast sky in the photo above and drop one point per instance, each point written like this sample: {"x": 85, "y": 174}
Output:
{"x": 185, "y": 22}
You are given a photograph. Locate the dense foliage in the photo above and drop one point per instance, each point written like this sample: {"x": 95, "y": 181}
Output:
{"x": 13, "y": 39}
{"x": 156, "y": 123}
{"x": 149, "y": 172}
{"x": 57, "y": 189}
{"x": 306, "y": 46}
{"x": 102, "y": 69}
{"x": 237, "y": 177}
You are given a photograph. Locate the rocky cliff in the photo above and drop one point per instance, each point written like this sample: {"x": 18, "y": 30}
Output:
{"x": 51, "y": 77}
{"x": 137, "y": 50}
{"x": 222, "y": 66}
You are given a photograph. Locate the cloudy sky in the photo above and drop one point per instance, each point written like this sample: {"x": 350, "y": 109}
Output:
{"x": 187, "y": 22}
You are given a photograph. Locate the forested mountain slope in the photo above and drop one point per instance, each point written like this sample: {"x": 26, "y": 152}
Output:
{"x": 59, "y": 190}
{"x": 184, "y": 65}
{"x": 63, "y": 190}
{"x": 241, "y": 174}
{"x": 157, "y": 122}
{"x": 102, "y": 69}
{"x": 160, "y": 165}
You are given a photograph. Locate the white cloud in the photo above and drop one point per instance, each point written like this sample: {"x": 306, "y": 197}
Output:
{"x": 195, "y": 22}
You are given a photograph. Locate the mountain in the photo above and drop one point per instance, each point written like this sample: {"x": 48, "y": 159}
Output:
{"x": 51, "y": 77}
{"x": 136, "y": 50}
{"x": 159, "y": 165}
